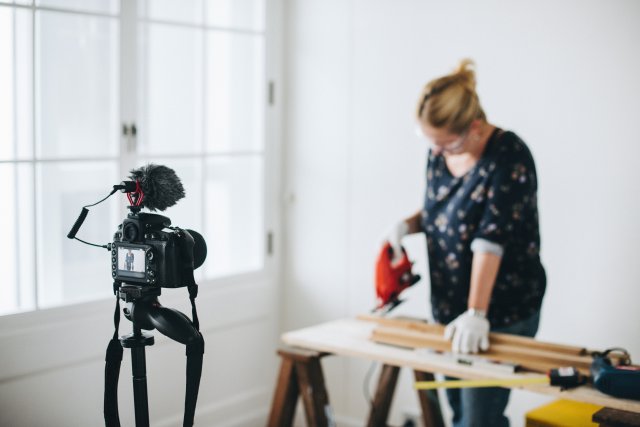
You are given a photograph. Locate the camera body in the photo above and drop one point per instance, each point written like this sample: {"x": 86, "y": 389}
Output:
{"x": 146, "y": 252}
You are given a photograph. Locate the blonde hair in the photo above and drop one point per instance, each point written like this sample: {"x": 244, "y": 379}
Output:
{"x": 451, "y": 101}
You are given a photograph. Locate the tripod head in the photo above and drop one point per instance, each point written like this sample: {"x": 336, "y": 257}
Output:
{"x": 144, "y": 310}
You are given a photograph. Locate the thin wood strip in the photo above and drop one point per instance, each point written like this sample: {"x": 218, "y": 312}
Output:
{"x": 507, "y": 349}
{"x": 403, "y": 342}
{"x": 495, "y": 349}
{"x": 495, "y": 337}
{"x": 556, "y": 358}
{"x": 525, "y": 357}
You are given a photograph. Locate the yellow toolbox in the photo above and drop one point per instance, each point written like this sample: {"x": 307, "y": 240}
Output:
{"x": 565, "y": 413}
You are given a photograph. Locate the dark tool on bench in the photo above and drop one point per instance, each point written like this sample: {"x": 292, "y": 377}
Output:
{"x": 620, "y": 380}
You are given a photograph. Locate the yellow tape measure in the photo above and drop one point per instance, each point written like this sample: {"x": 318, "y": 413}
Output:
{"x": 567, "y": 377}
{"x": 511, "y": 382}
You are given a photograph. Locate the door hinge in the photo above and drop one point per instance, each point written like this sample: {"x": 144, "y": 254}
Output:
{"x": 270, "y": 243}
{"x": 130, "y": 133}
{"x": 272, "y": 93}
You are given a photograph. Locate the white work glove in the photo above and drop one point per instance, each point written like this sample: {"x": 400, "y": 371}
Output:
{"x": 469, "y": 331}
{"x": 394, "y": 237}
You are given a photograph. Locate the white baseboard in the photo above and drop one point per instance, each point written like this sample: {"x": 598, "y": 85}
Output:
{"x": 246, "y": 409}
{"x": 348, "y": 422}
{"x": 256, "y": 418}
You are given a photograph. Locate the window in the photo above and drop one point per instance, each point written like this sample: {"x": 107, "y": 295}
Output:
{"x": 190, "y": 75}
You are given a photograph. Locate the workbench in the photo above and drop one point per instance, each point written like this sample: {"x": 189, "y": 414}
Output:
{"x": 301, "y": 374}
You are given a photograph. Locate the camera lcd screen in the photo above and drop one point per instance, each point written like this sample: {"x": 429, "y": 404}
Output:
{"x": 131, "y": 262}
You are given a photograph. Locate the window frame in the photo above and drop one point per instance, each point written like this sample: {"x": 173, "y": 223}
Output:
{"x": 270, "y": 155}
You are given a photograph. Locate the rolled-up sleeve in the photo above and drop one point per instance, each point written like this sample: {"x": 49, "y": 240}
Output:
{"x": 481, "y": 245}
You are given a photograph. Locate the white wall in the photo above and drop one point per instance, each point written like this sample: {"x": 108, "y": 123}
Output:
{"x": 563, "y": 75}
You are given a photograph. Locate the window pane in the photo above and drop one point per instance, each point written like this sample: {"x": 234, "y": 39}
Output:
{"x": 70, "y": 271}
{"x": 16, "y": 119}
{"x": 171, "y": 85}
{"x": 17, "y": 260}
{"x": 98, "y": 6}
{"x": 77, "y": 85}
{"x": 237, "y": 14}
{"x": 186, "y": 11}
{"x": 234, "y": 216}
{"x": 188, "y": 212}
{"x": 235, "y": 92}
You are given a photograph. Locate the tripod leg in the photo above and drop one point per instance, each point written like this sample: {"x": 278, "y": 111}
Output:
{"x": 140, "y": 398}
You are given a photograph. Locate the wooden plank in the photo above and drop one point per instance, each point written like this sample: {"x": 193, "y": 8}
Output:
{"x": 524, "y": 353}
{"x": 534, "y": 360}
{"x": 400, "y": 341}
{"x": 438, "y": 342}
{"x": 383, "y": 397}
{"x": 500, "y": 352}
{"x": 494, "y": 337}
{"x": 616, "y": 418}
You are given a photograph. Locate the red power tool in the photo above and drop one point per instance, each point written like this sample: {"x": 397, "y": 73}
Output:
{"x": 392, "y": 278}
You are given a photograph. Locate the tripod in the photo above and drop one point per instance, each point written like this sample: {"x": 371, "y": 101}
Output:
{"x": 145, "y": 312}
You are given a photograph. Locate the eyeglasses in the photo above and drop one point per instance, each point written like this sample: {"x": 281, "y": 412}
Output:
{"x": 448, "y": 146}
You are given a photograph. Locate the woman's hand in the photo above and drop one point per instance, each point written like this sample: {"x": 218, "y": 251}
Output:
{"x": 469, "y": 332}
{"x": 394, "y": 237}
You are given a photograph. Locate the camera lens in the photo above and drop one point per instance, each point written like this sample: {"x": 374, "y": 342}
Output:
{"x": 130, "y": 232}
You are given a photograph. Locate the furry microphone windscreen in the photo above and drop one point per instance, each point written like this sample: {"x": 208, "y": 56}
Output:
{"x": 161, "y": 186}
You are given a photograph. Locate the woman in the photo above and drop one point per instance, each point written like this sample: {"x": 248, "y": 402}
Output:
{"x": 480, "y": 218}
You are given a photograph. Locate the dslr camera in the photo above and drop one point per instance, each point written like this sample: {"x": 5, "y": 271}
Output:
{"x": 147, "y": 251}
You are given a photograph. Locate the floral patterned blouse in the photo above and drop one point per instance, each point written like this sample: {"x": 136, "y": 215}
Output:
{"x": 494, "y": 205}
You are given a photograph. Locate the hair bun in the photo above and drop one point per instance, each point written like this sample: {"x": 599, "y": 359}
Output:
{"x": 465, "y": 74}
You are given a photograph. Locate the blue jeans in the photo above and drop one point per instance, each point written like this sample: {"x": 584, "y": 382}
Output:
{"x": 480, "y": 407}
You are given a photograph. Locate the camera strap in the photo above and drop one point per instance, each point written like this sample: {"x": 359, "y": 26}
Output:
{"x": 113, "y": 359}
{"x": 195, "y": 353}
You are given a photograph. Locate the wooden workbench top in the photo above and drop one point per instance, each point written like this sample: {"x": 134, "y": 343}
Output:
{"x": 350, "y": 337}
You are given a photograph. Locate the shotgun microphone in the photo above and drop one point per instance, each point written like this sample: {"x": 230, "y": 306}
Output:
{"x": 160, "y": 186}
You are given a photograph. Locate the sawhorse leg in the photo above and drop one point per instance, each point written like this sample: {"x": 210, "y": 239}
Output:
{"x": 431, "y": 414}
{"x": 300, "y": 374}
{"x": 383, "y": 397}
{"x": 429, "y": 401}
